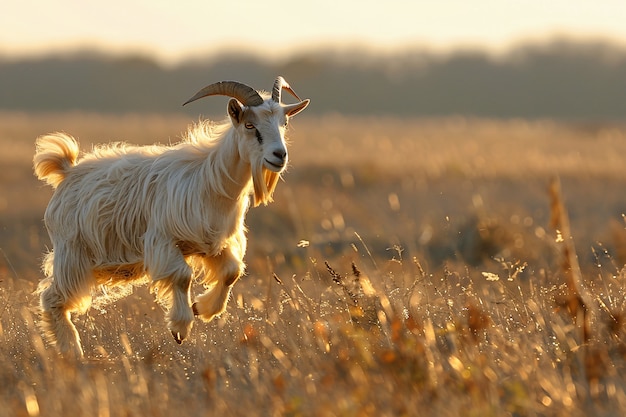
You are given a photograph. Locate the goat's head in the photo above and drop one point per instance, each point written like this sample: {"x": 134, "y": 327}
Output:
{"x": 260, "y": 124}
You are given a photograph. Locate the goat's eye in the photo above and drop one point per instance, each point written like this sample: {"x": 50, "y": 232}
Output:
{"x": 249, "y": 126}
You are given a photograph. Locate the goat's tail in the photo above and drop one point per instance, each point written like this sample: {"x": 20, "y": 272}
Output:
{"x": 55, "y": 155}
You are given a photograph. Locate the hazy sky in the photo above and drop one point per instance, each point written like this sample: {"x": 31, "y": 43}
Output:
{"x": 176, "y": 29}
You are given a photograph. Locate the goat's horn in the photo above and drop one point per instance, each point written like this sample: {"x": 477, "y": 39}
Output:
{"x": 279, "y": 84}
{"x": 248, "y": 96}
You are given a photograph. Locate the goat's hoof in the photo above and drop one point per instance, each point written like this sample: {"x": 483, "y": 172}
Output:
{"x": 194, "y": 308}
{"x": 177, "y": 337}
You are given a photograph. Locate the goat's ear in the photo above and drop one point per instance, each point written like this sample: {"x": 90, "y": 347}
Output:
{"x": 235, "y": 111}
{"x": 293, "y": 109}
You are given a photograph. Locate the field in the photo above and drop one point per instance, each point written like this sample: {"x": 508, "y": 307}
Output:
{"x": 406, "y": 267}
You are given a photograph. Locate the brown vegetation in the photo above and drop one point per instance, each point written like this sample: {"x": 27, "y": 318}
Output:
{"x": 407, "y": 267}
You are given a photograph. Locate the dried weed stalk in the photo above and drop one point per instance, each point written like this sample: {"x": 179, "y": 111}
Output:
{"x": 578, "y": 302}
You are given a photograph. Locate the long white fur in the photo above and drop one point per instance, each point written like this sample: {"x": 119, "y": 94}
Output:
{"x": 123, "y": 213}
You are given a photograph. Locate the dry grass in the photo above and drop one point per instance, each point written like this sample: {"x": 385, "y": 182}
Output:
{"x": 408, "y": 267}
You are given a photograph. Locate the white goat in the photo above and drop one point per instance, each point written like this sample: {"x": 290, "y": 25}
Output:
{"x": 168, "y": 213}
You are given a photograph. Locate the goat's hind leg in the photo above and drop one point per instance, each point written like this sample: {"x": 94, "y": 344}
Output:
{"x": 67, "y": 289}
{"x": 56, "y": 324}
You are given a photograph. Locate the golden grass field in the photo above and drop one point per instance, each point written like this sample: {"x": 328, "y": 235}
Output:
{"x": 407, "y": 267}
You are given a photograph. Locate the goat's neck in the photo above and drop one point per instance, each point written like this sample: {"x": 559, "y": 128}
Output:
{"x": 238, "y": 185}
{"x": 231, "y": 168}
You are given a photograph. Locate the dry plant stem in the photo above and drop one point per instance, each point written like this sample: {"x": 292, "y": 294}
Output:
{"x": 579, "y": 303}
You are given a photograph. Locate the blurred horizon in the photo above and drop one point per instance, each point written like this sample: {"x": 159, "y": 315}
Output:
{"x": 558, "y": 78}
{"x": 345, "y": 49}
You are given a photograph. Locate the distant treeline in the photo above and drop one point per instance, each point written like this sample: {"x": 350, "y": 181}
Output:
{"x": 558, "y": 79}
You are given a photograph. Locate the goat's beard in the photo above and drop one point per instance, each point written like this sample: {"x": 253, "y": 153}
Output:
{"x": 264, "y": 182}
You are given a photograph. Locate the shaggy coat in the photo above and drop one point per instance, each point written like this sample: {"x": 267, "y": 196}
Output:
{"x": 164, "y": 213}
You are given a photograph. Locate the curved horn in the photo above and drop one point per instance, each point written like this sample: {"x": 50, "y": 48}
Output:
{"x": 248, "y": 96}
{"x": 279, "y": 84}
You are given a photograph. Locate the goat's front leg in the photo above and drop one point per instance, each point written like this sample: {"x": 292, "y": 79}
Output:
{"x": 171, "y": 277}
{"x": 180, "y": 317}
{"x": 223, "y": 271}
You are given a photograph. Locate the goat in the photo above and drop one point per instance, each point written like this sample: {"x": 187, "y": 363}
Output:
{"x": 167, "y": 214}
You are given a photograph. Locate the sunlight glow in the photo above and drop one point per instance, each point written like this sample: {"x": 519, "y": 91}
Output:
{"x": 273, "y": 27}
